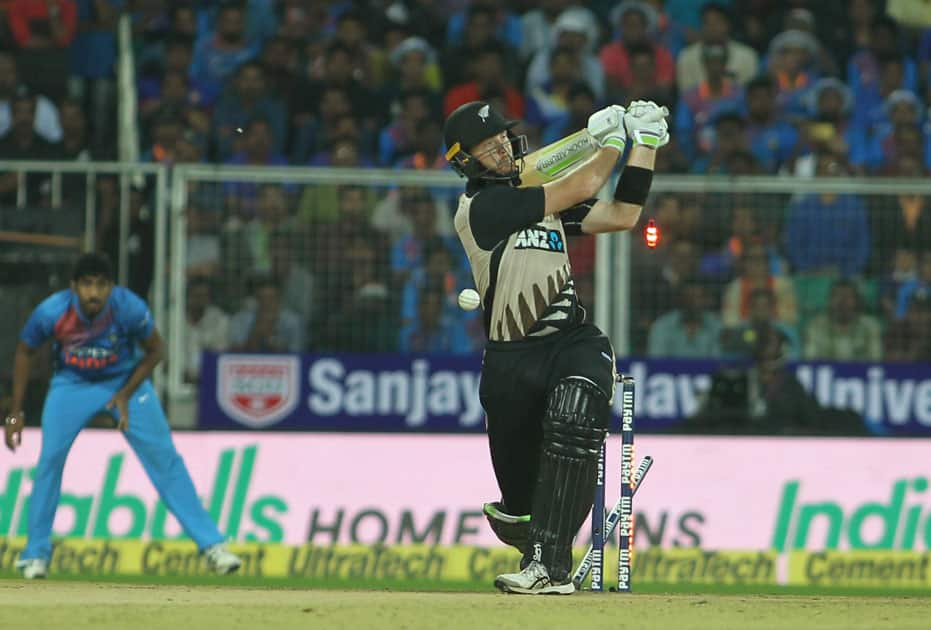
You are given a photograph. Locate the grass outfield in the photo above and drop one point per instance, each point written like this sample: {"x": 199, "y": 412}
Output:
{"x": 143, "y": 603}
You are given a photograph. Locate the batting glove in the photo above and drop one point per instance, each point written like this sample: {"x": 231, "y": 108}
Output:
{"x": 640, "y": 108}
{"x": 649, "y": 128}
{"x": 606, "y": 126}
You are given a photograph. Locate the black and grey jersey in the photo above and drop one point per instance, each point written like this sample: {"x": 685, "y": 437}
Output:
{"x": 520, "y": 261}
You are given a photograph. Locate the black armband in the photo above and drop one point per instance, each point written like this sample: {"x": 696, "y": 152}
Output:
{"x": 633, "y": 185}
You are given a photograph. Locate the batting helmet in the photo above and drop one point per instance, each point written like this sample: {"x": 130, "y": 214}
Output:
{"x": 471, "y": 124}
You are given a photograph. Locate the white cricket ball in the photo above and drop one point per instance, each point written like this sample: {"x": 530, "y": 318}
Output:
{"x": 469, "y": 299}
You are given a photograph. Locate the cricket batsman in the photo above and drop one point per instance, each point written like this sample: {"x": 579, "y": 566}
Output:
{"x": 548, "y": 374}
{"x": 97, "y": 330}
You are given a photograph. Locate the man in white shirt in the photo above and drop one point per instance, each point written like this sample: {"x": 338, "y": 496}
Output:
{"x": 742, "y": 61}
{"x": 47, "y": 122}
{"x": 207, "y": 327}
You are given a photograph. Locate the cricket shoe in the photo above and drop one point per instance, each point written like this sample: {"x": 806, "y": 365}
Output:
{"x": 33, "y": 569}
{"x": 221, "y": 560}
{"x": 533, "y": 580}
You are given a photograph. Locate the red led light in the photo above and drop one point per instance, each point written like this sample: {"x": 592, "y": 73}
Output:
{"x": 651, "y": 234}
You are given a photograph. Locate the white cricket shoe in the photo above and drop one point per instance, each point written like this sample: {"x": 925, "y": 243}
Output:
{"x": 33, "y": 569}
{"x": 222, "y": 560}
{"x": 533, "y": 580}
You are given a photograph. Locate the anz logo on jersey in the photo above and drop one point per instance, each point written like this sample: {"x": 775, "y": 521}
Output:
{"x": 540, "y": 238}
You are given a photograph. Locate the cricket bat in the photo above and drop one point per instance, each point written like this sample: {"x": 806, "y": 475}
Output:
{"x": 557, "y": 159}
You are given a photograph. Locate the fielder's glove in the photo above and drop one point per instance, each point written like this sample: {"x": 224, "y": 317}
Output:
{"x": 645, "y": 122}
{"x": 606, "y": 126}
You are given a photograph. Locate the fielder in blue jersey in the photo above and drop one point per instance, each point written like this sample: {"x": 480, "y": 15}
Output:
{"x": 98, "y": 330}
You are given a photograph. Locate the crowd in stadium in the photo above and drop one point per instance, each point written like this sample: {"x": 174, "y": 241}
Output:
{"x": 800, "y": 88}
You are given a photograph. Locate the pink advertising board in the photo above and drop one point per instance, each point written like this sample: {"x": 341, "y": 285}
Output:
{"x": 717, "y": 493}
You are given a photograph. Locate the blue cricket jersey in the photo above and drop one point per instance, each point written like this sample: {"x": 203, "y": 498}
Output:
{"x": 102, "y": 348}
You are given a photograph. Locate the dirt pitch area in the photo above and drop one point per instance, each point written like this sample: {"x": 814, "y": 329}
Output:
{"x": 78, "y": 606}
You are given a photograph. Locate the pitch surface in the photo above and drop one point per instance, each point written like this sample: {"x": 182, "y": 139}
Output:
{"x": 76, "y": 605}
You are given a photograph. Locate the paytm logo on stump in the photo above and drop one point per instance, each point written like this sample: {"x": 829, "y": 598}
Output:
{"x": 540, "y": 238}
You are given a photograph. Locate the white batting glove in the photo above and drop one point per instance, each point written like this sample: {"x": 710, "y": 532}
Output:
{"x": 649, "y": 128}
{"x": 606, "y": 126}
{"x": 640, "y": 108}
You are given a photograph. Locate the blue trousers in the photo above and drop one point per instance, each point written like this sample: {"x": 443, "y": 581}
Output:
{"x": 69, "y": 406}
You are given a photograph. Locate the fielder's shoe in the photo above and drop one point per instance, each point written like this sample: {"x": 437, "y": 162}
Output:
{"x": 33, "y": 569}
{"x": 222, "y": 560}
{"x": 533, "y": 580}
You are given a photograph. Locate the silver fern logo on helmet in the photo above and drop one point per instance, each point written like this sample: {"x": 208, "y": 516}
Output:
{"x": 483, "y": 114}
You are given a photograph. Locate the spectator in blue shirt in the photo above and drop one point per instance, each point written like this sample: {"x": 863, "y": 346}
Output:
{"x": 828, "y": 233}
{"x": 345, "y": 151}
{"x": 699, "y": 105}
{"x": 151, "y": 27}
{"x": 439, "y": 268}
{"x": 727, "y": 147}
{"x": 217, "y": 57}
{"x": 692, "y": 331}
{"x": 871, "y": 112}
{"x": 748, "y": 228}
{"x": 865, "y": 71}
{"x": 179, "y": 55}
{"x": 438, "y": 273}
{"x": 690, "y": 13}
{"x": 176, "y": 99}
{"x": 255, "y": 150}
{"x": 427, "y": 150}
{"x": 260, "y": 17}
{"x": 407, "y": 251}
{"x": 396, "y": 140}
{"x": 93, "y": 55}
{"x": 772, "y": 139}
{"x": 434, "y": 330}
{"x": 918, "y": 287}
{"x": 581, "y": 105}
{"x": 506, "y": 25}
{"x": 550, "y": 101}
{"x": 249, "y": 99}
